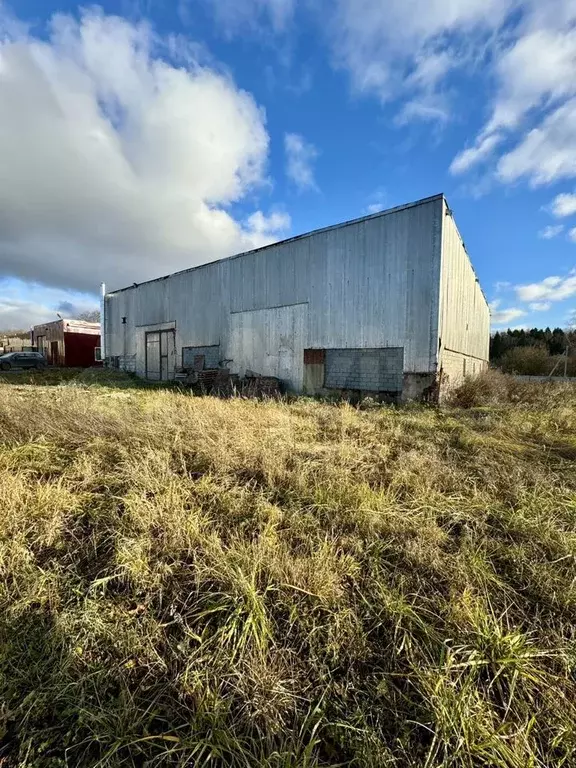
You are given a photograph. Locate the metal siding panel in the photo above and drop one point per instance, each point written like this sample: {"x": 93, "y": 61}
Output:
{"x": 465, "y": 316}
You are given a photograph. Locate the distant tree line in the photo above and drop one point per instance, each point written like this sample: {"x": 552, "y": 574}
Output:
{"x": 534, "y": 352}
{"x": 90, "y": 317}
{"x": 14, "y": 333}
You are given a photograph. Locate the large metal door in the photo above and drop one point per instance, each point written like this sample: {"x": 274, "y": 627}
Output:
{"x": 160, "y": 355}
{"x": 271, "y": 342}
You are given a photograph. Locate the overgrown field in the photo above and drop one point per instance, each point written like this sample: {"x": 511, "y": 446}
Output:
{"x": 189, "y": 581}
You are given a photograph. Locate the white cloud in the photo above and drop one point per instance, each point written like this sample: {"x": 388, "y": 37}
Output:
{"x": 534, "y": 59}
{"x": 22, "y": 306}
{"x": 16, "y": 314}
{"x": 300, "y": 156}
{"x": 547, "y": 153}
{"x": 235, "y": 16}
{"x": 278, "y": 223}
{"x": 540, "y": 306}
{"x": 552, "y": 288}
{"x": 116, "y": 165}
{"x": 548, "y": 233}
{"x": 396, "y": 48}
{"x": 563, "y": 205}
{"x": 482, "y": 149}
{"x": 572, "y": 235}
{"x": 503, "y": 316}
{"x": 378, "y": 201}
{"x": 427, "y": 109}
{"x": 502, "y": 285}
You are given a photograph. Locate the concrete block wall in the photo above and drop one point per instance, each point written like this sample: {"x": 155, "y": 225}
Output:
{"x": 369, "y": 370}
{"x": 211, "y": 354}
{"x": 127, "y": 363}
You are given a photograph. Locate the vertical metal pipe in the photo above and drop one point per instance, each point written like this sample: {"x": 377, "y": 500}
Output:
{"x": 103, "y": 322}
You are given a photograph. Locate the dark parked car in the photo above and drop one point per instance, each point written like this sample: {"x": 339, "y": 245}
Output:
{"x": 22, "y": 360}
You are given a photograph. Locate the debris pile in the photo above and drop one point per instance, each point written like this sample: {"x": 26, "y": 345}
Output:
{"x": 219, "y": 381}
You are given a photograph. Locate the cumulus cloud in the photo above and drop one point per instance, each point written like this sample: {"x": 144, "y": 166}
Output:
{"x": 117, "y": 165}
{"x": 502, "y": 316}
{"x": 572, "y": 235}
{"x": 548, "y": 233}
{"x": 563, "y": 205}
{"x": 300, "y": 157}
{"x": 540, "y": 306}
{"x": 553, "y": 288}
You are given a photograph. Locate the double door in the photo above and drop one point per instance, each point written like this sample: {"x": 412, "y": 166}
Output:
{"x": 160, "y": 355}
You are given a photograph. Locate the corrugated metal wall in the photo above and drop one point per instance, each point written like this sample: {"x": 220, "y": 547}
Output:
{"x": 370, "y": 283}
{"x": 464, "y": 313}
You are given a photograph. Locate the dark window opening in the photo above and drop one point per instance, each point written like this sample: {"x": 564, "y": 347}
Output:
{"x": 314, "y": 356}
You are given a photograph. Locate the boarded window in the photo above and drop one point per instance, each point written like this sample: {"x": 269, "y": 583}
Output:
{"x": 314, "y": 356}
{"x": 369, "y": 370}
{"x": 211, "y": 355}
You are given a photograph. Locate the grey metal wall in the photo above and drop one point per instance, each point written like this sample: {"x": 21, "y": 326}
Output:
{"x": 464, "y": 312}
{"x": 366, "y": 284}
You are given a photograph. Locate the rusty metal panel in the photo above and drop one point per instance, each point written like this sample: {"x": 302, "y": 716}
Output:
{"x": 314, "y": 356}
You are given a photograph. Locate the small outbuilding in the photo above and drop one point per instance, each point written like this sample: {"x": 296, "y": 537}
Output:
{"x": 68, "y": 343}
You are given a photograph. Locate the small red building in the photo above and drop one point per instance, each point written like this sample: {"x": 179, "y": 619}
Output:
{"x": 68, "y": 343}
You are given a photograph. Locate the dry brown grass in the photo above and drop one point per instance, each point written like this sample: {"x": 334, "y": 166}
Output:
{"x": 189, "y": 581}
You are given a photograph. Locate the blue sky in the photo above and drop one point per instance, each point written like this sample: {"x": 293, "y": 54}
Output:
{"x": 144, "y": 136}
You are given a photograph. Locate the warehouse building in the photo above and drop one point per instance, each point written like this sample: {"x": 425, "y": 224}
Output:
{"x": 388, "y": 304}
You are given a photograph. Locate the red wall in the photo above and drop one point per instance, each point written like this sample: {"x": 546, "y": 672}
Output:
{"x": 79, "y": 349}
